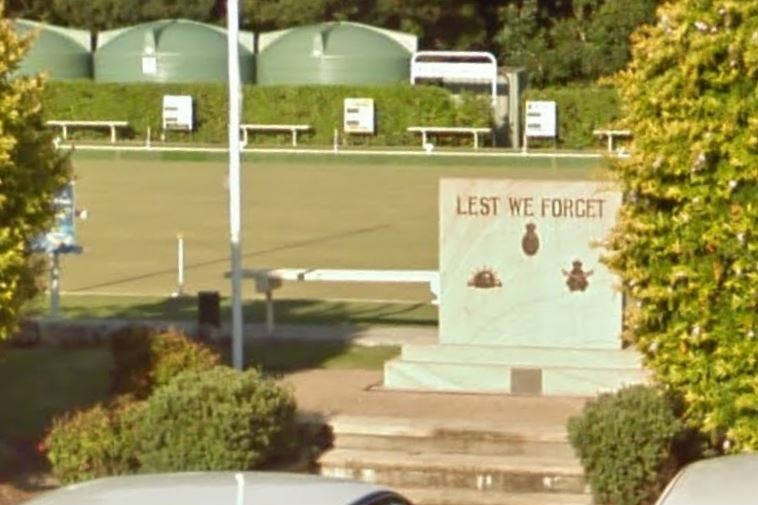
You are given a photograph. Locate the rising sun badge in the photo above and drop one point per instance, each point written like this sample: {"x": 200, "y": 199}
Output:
{"x": 485, "y": 278}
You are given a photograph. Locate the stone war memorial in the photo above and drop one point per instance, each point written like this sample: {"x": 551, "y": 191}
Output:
{"x": 526, "y": 305}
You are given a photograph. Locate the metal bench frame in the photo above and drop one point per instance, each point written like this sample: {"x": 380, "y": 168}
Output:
{"x": 292, "y": 128}
{"x": 65, "y": 124}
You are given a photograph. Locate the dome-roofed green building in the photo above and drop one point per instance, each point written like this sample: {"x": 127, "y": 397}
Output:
{"x": 334, "y": 53}
{"x": 176, "y": 50}
{"x": 61, "y": 53}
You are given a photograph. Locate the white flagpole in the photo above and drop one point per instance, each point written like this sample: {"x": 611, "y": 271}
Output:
{"x": 235, "y": 207}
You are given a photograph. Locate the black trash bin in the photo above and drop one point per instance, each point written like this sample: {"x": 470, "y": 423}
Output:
{"x": 208, "y": 309}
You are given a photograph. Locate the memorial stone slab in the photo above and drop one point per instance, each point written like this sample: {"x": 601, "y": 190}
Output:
{"x": 526, "y": 304}
{"x": 520, "y": 263}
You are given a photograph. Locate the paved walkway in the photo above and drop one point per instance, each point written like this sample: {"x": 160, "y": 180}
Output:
{"x": 325, "y": 394}
{"x": 328, "y": 393}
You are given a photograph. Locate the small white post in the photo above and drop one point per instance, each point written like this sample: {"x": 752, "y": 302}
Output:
{"x": 55, "y": 294}
{"x": 336, "y": 140}
{"x": 240, "y": 478}
{"x": 180, "y": 263}
{"x": 147, "y": 138}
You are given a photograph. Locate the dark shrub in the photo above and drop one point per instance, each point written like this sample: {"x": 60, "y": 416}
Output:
{"x": 626, "y": 443}
{"x": 7, "y": 456}
{"x": 145, "y": 359}
{"x": 94, "y": 443}
{"x": 218, "y": 419}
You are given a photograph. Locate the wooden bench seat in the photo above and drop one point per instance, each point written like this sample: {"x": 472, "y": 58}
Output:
{"x": 610, "y": 134}
{"x": 447, "y": 130}
{"x": 292, "y": 128}
{"x": 65, "y": 124}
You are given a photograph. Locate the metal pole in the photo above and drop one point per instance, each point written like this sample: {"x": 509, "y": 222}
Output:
{"x": 55, "y": 293}
{"x": 235, "y": 207}
{"x": 180, "y": 263}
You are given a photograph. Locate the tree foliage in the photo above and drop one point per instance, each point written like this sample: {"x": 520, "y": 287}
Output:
{"x": 30, "y": 173}
{"x": 108, "y": 14}
{"x": 685, "y": 246}
{"x": 558, "y": 42}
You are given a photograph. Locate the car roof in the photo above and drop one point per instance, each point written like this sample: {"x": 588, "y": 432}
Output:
{"x": 727, "y": 479}
{"x": 211, "y": 488}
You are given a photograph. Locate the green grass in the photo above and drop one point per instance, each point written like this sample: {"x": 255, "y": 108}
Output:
{"x": 290, "y": 356}
{"x": 38, "y": 384}
{"x": 352, "y": 211}
{"x": 148, "y": 308}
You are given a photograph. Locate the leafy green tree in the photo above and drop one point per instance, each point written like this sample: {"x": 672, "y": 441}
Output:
{"x": 685, "y": 245}
{"x": 108, "y": 14}
{"x": 562, "y": 41}
{"x": 30, "y": 173}
{"x": 263, "y": 15}
{"x": 94, "y": 14}
{"x": 440, "y": 24}
{"x": 33, "y": 9}
{"x": 197, "y": 10}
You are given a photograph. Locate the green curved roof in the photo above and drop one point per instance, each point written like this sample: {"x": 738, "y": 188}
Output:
{"x": 183, "y": 51}
{"x": 334, "y": 53}
{"x": 60, "y": 52}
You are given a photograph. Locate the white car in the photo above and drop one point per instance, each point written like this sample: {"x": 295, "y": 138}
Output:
{"x": 221, "y": 488}
{"x": 726, "y": 480}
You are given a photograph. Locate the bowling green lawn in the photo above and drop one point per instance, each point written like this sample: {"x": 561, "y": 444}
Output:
{"x": 298, "y": 210}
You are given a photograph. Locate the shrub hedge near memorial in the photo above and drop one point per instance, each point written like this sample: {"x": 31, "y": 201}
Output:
{"x": 218, "y": 419}
{"x": 581, "y": 109}
{"x": 630, "y": 444}
{"x": 94, "y": 442}
{"x": 145, "y": 359}
{"x": 397, "y": 107}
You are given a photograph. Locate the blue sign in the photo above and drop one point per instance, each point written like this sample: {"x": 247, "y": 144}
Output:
{"x": 62, "y": 238}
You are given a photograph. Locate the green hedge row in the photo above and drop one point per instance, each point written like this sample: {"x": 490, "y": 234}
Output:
{"x": 397, "y": 107}
{"x": 581, "y": 109}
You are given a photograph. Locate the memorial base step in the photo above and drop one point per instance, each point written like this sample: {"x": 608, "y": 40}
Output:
{"x": 513, "y": 370}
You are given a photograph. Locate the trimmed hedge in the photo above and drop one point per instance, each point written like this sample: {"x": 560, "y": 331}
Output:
{"x": 628, "y": 445}
{"x": 145, "y": 359}
{"x": 581, "y": 109}
{"x": 397, "y": 107}
{"x": 218, "y": 419}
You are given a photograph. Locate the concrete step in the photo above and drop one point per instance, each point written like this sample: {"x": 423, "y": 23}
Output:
{"x": 450, "y": 437}
{"x": 540, "y": 357}
{"x": 510, "y": 474}
{"x": 475, "y": 497}
{"x": 401, "y": 374}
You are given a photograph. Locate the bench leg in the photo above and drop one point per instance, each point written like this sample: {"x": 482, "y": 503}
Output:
{"x": 269, "y": 313}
